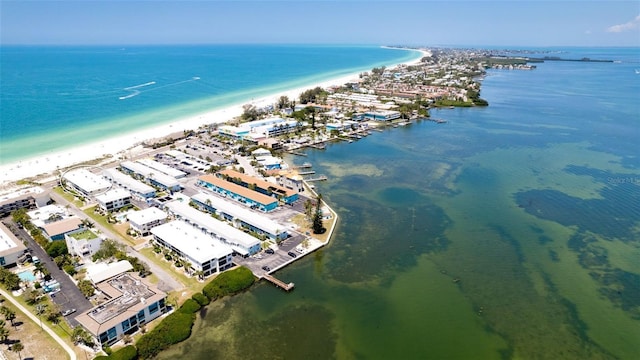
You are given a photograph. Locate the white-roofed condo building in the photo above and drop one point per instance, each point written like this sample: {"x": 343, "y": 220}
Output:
{"x": 85, "y": 182}
{"x": 137, "y": 188}
{"x": 144, "y": 220}
{"x": 165, "y": 169}
{"x": 11, "y": 248}
{"x": 241, "y": 242}
{"x": 190, "y": 243}
{"x": 113, "y": 199}
{"x": 240, "y": 216}
{"x": 152, "y": 176}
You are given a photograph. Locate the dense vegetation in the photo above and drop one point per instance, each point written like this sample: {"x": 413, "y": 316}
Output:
{"x": 313, "y": 95}
{"x": 229, "y": 283}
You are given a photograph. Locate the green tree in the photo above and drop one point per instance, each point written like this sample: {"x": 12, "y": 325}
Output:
{"x": 9, "y": 314}
{"x": 57, "y": 248}
{"x": 86, "y": 288}
{"x": 108, "y": 249}
{"x": 317, "y": 225}
{"x": 4, "y": 334}
{"x": 283, "y": 102}
{"x": 17, "y": 347}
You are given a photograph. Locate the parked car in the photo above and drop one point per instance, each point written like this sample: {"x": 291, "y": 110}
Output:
{"x": 269, "y": 251}
{"x": 266, "y": 268}
{"x": 292, "y": 254}
{"x": 68, "y": 312}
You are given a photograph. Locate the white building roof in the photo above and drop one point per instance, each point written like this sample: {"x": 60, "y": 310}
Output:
{"x": 113, "y": 195}
{"x": 175, "y": 173}
{"x": 13, "y": 194}
{"x": 102, "y": 271}
{"x": 241, "y": 213}
{"x": 237, "y": 239}
{"x": 146, "y": 171}
{"x": 146, "y": 216}
{"x": 191, "y": 241}
{"x": 87, "y": 181}
{"x": 40, "y": 215}
{"x": 127, "y": 181}
{"x": 8, "y": 241}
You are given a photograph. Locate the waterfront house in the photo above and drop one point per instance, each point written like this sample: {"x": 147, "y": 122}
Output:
{"x": 199, "y": 249}
{"x": 132, "y": 302}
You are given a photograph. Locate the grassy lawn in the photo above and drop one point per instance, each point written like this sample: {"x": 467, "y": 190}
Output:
{"x": 35, "y": 341}
{"x": 120, "y": 229}
{"x": 191, "y": 284}
{"x": 62, "y": 329}
{"x": 67, "y": 196}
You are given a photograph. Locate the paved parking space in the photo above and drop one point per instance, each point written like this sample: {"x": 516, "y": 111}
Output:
{"x": 275, "y": 261}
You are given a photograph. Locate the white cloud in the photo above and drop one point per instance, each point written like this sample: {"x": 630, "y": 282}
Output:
{"x": 630, "y": 25}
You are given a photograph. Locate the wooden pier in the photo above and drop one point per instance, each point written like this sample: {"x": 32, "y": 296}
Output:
{"x": 279, "y": 283}
{"x": 318, "y": 178}
{"x": 308, "y": 172}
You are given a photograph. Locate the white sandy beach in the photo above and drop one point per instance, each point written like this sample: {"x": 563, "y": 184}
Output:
{"x": 49, "y": 163}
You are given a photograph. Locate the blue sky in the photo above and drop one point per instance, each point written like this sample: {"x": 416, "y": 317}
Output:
{"x": 470, "y": 23}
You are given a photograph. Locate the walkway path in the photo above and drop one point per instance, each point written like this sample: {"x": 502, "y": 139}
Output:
{"x": 67, "y": 348}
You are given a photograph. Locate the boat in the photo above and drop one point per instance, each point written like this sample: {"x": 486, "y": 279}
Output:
{"x": 637, "y": 71}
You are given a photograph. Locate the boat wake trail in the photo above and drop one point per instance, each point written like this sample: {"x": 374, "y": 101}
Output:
{"x": 134, "y": 90}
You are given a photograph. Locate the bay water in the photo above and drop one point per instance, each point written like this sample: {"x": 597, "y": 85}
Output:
{"x": 510, "y": 232}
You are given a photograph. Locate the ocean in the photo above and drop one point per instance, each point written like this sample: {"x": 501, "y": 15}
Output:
{"x": 58, "y": 97}
{"x": 510, "y": 232}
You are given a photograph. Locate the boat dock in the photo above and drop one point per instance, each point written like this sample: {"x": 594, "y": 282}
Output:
{"x": 297, "y": 153}
{"x": 279, "y": 283}
{"x": 318, "y": 178}
{"x": 437, "y": 121}
{"x": 308, "y": 172}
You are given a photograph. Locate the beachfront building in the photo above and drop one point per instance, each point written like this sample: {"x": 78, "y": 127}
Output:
{"x": 239, "y": 241}
{"x": 144, "y": 220}
{"x": 203, "y": 252}
{"x": 240, "y": 217}
{"x": 259, "y": 129}
{"x": 238, "y": 193}
{"x": 113, "y": 199}
{"x": 133, "y": 302}
{"x": 85, "y": 182}
{"x": 285, "y": 195}
{"x": 165, "y": 169}
{"x": 82, "y": 242}
{"x": 382, "y": 115}
{"x": 153, "y": 177}
{"x": 11, "y": 248}
{"x": 136, "y": 188}
{"x": 27, "y": 198}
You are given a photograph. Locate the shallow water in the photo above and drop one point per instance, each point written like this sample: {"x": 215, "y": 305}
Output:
{"x": 509, "y": 232}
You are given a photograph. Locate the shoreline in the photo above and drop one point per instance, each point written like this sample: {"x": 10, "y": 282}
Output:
{"x": 45, "y": 164}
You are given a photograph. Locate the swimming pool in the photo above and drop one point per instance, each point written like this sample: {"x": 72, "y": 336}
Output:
{"x": 27, "y": 275}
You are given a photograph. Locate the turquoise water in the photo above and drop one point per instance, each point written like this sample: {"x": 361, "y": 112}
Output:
{"x": 511, "y": 232}
{"x": 27, "y": 276}
{"x": 57, "y": 97}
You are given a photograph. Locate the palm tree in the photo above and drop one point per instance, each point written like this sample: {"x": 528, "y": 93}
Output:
{"x": 8, "y": 314}
{"x": 17, "y": 347}
{"x": 4, "y": 334}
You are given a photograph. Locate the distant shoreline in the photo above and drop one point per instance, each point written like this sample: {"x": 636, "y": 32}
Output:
{"x": 44, "y": 164}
